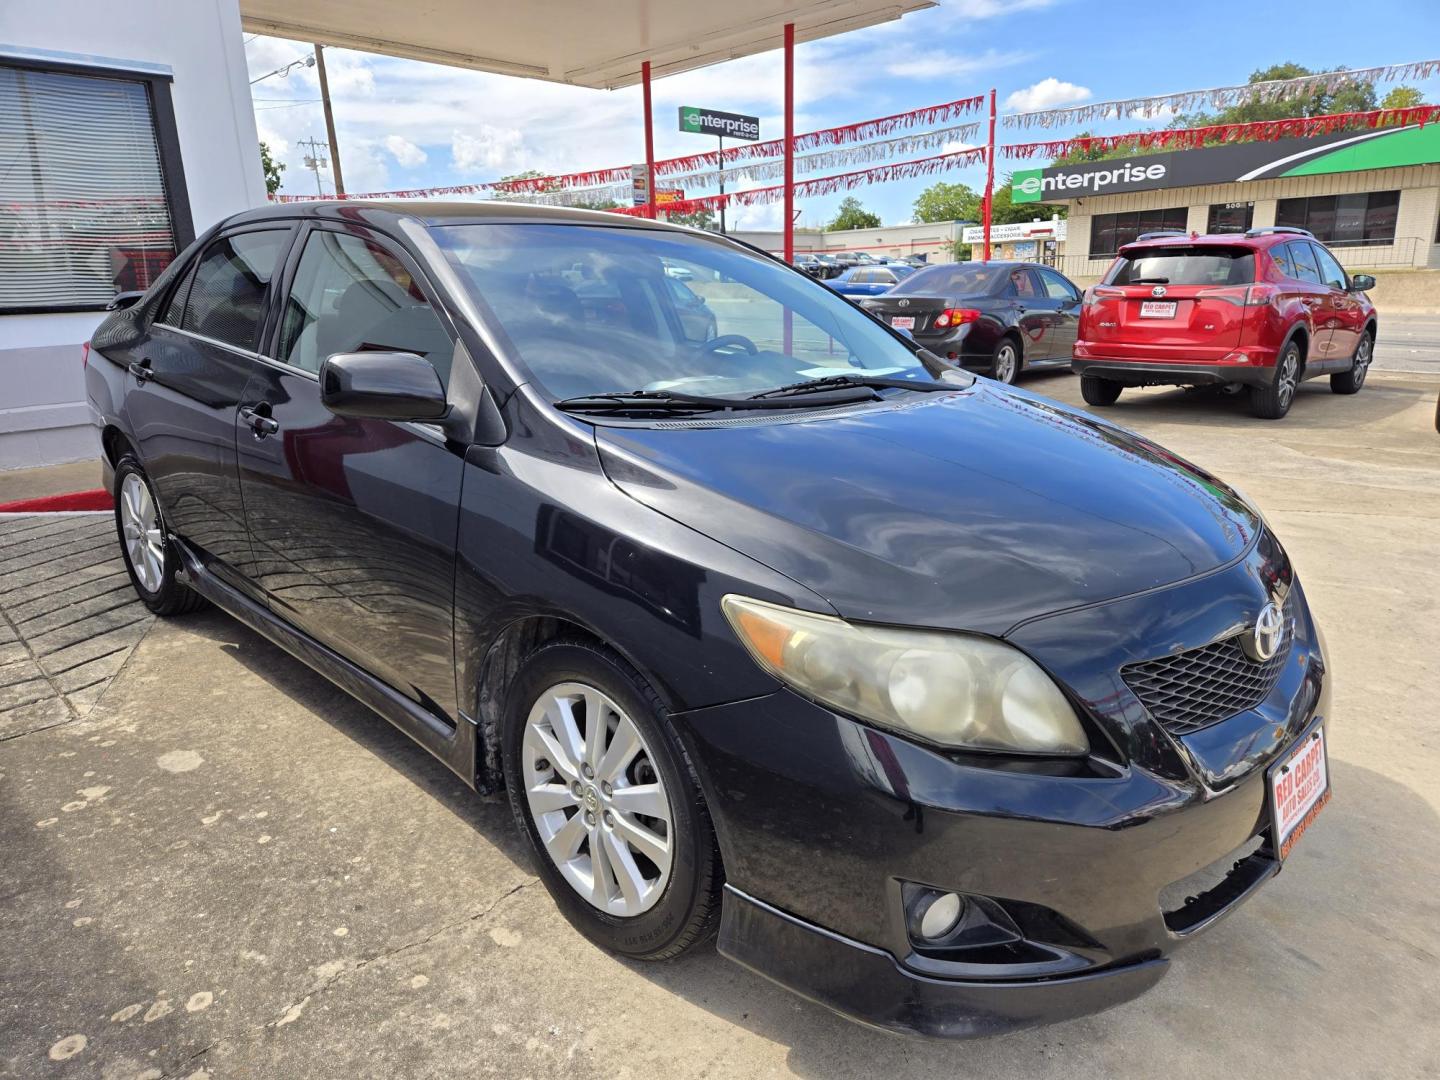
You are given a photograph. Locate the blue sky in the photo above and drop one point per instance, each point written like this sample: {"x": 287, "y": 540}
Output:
{"x": 407, "y": 124}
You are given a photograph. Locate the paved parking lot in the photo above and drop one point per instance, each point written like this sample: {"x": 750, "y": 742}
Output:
{"x": 214, "y": 864}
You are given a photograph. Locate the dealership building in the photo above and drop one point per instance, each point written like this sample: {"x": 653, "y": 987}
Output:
{"x": 1372, "y": 196}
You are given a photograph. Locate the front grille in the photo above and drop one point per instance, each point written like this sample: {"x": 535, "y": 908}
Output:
{"x": 1199, "y": 687}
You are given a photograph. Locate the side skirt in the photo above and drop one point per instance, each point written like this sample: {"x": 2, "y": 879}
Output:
{"x": 454, "y": 745}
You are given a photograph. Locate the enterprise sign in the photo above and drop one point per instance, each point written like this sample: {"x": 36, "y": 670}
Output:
{"x": 1345, "y": 151}
{"x": 713, "y": 122}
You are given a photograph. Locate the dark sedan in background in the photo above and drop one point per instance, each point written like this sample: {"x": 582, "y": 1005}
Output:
{"x": 821, "y": 267}
{"x": 996, "y": 317}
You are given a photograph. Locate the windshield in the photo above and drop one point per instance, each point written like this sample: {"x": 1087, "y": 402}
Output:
{"x": 1185, "y": 266}
{"x": 956, "y": 279}
{"x": 595, "y": 310}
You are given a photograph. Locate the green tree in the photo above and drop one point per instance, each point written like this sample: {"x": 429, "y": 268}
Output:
{"x": 696, "y": 219}
{"x": 1402, "y": 97}
{"x": 1349, "y": 97}
{"x": 272, "y": 170}
{"x": 1004, "y": 210}
{"x": 853, "y": 216}
{"x": 947, "y": 202}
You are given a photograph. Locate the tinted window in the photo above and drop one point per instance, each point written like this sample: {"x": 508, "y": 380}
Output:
{"x": 1201, "y": 265}
{"x": 352, "y": 295}
{"x": 957, "y": 279}
{"x": 1303, "y": 258}
{"x": 1330, "y": 270}
{"x": 1020, "y": 284}
{"x": 1110, "y": 232}
{"x": 228, "y": 295}
{"x": 1280, "y": 256}
{"x": 584, "y": 308}
{"x": 1230, "y": 217}
{"x": 1056, "y": 287}
{"x": 1343, "y": 219}
{"x": 174, "y": 308}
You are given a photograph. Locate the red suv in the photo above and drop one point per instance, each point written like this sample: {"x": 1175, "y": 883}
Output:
{"x": 1263, "y": 310}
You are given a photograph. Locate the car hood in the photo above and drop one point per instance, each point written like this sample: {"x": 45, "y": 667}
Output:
{"x": 971, "y": 509}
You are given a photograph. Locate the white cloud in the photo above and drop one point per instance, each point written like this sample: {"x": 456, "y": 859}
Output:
{"x": 492, "y": 149}
{"x": 405, "y": 152}
{"x": 1048, "y": 93}
{"x": 911, "y": 64}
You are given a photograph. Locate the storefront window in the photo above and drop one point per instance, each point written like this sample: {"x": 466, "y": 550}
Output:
{"x": 1343, "y": 219}
{"x": 1110, "y": 232}
{"x": 85, "y": 212}
{"x": 1230, "y": 217}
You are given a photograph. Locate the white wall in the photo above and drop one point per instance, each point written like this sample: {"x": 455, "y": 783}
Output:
{"x": 43, "y": 417}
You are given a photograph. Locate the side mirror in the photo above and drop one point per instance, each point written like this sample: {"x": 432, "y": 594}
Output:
{"x": 124, "y": 300}
{"x": 382, "y": 386}
{"x": 1361, "y": 283}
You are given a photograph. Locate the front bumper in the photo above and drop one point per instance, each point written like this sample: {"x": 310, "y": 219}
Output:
{"x": 1105, "y": 864}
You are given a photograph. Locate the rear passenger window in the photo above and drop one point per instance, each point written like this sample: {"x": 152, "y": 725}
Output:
{"x": 1303, "y": 256}
{"x": 352, "y": 295}
{"x": 1020, "y": 284}
{"x": 227, "y": 297}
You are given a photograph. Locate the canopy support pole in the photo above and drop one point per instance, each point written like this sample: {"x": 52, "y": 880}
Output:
{"x": 789, "y": 169}
{"x": 989, "y": 175}
{"x": 649, "y": 141}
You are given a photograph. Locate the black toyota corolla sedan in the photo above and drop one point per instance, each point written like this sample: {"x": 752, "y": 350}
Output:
{"x": 1001, "y": 318}
{"x": 946, "y": 706}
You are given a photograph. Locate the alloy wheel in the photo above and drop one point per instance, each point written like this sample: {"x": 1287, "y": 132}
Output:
{"x": 1363, "y": 356}
{"x": 597, "y": 799}
{"x": 1287, "y": 377}
{"x": 144, "y": 542}
{"x": 1005, "y": 364}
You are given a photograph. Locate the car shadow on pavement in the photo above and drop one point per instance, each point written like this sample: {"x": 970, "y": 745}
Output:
{"x": 1339, "y": 942}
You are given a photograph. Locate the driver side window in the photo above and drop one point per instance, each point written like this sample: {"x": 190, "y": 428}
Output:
{"x": 353, "y": 295}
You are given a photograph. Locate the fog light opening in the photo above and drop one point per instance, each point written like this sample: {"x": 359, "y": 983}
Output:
{"x": 936, "y": 914}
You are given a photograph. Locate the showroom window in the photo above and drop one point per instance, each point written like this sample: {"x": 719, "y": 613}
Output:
{"x": 1230, "y": 217}
{"x": 1110, "y": 232}
{"x": 1366, "y": 218}
{"x": 85, "y": 208}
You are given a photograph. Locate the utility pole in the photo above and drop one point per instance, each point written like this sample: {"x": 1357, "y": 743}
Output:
{"x": 329, "y": 120}
{"x": 722, "y": 183}
{"x": 313, "y": 160}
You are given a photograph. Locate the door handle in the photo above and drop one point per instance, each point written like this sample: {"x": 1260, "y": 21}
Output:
{"x": 259, "y": 423}
{"x": 141, "y": 370}
{"x": 1309, "y": 301}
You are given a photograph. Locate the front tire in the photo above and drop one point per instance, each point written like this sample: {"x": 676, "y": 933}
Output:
{"x": 604, "y": 793}
{"x": 1350, "y": 382}
{"x": 1006, "y": 362}
{"x": 150, "y": 558}
{"x": 1098, "y": 391}
{"x": 1273, "y": 402}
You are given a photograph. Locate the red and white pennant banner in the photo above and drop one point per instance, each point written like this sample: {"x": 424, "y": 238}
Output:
{"x": 926, "y": 117}
{"x": 1221, "y": 97}
{"x": 824, "y": 185}
{"x": 1255, "y": 131}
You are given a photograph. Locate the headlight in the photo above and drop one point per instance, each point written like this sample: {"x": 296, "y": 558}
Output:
{"x": 957, "y": 690}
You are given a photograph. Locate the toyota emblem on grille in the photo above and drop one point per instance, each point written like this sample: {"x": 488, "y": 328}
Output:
{"x": 903, "y": 303}
{"x": 1264, "y": 640}
{"x": 1158, "y": 290}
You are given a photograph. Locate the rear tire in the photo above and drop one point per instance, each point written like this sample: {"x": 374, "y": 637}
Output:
{"x": 1098, "y": 391}
{"x": 1006, "y": 362}
{"x": 150, "y": 557}
{"x": 1273, "y": 402}
{"x": 1350, "y": 382}
{"x": 642, "y": 899}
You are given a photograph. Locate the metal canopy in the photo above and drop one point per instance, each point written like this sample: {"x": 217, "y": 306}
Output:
{"x": 599, "y": 45}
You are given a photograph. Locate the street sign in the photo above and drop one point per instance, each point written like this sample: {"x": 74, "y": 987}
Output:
{"x": 640, "y": 184}
{"x": 713, "y": 122}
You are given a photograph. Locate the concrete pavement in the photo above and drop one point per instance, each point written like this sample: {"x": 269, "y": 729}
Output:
{"x": 221, "y": 866}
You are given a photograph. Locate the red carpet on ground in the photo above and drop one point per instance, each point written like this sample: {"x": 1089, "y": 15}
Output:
{"x": 99, "y": 499}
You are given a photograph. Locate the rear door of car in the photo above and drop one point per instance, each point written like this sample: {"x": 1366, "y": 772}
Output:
{"x": 187, "y": 378}
{"x": 1034, "y": 312}
{"x": 1347, "y": 312}
{"x": 1318, "y": 297}
{"x": 1176, "y": 303}
{"x": 354, "y": 520}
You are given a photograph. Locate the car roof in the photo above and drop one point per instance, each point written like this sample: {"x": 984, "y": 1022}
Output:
{"x": 438, "y": 212}
{"x": 1255, "y": 242}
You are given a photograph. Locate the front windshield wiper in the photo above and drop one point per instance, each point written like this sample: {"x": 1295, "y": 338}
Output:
{"x": 831, "y": 382}
{"x": 672, "y": 401}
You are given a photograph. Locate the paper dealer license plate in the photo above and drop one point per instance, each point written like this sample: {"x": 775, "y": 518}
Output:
{"x": 1299, "y": 789}
{"x": 1157, "y": 309}
{"x": 903, "y": 322}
